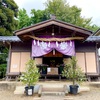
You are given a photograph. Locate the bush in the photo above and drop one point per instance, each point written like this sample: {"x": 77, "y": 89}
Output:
{"x": 73, "y": 71}
{"x": 3, "y": 70}
{"x": 31, "y": 76}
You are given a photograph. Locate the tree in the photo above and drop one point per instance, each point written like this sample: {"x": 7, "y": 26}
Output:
{"x": 63, "y": 11}
{"x": 3, "y": 60}
{"x": 73, "y": 71}
{"x": 31, "y": 75}
{"x": 39, "y": 16}
{"x": 23, "y": 19}
{"x": 8, "y": 23}
{"x": 36, "y": 17}
{"x": 59, "y": 8}
{"x": 8, "y": 13}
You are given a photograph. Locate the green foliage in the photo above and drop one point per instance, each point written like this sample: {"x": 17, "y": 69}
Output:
{"x": 44, "y": 68}
{"x": 39, "y": 16}
{"x": 31, "y": 76}
{"x": 3, "y": 70}
{"x": 8, "y": 23}
{"x": 8, "y": 13}
{"x": 3, "y": 54}
{"x": 23, "y": 18}
{"x": 36, "y": 17}
{"x": 59, "y": 8}
{"x": 63, "y": 11}
{"x": 73, "y": 71}
{"x": 3, "y": 62}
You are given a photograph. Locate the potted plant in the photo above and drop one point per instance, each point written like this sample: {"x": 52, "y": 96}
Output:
{"x": 75, "y": 73}
{"x": 39, "y": 68}
{"x": 60, "y": 68}
{"x": 44, "y": 68}
{"x": 30, "y": 77}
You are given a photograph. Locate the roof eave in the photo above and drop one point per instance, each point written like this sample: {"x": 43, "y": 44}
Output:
{"x": 97, "y": 33}
{"x": 50, "y": 22}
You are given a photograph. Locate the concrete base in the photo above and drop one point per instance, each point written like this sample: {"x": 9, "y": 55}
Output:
{"x": 68, "y": 98}
{"x": 21, "y": 89}
{"x": 53, "y": 93}
{"x": 80, "y": 89}
{"x": 94, "y": 84}
{"x": 5, "y": 85}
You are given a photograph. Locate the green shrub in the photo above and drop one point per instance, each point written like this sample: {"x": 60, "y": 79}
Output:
{"x": 73, "y": 71}
{"x": 31, "y": 76}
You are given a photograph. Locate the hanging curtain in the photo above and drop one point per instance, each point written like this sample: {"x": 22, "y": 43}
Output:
{"x": 42, "y": 48}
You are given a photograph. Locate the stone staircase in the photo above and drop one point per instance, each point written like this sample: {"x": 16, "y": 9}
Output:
{"x": 53, "y": 91}
{"x": 49, "y": 90}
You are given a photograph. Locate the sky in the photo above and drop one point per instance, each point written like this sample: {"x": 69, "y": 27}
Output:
{"x": 90, "y": 8}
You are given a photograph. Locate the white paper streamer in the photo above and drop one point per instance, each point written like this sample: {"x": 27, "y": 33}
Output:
{"x": 34, "y": 42}
{"x": 57, "y": 44}
{"x": 38, "y": 43}
{"x": 71, "y": 43}
{"x": 61, "y": 43}
{"x": 49, "y": 44}
{"x": 66, "y": 44}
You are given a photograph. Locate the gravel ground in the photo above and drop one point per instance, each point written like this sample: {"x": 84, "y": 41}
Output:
{"x": 93, "y": 94}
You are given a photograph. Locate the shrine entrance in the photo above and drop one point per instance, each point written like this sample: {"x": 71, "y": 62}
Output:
{"x": 54, "y": 65}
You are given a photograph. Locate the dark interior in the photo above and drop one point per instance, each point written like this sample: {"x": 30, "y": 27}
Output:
{"x": 53, "y": 61}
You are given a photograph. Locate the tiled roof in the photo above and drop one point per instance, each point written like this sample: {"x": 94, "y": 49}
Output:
{"x": 93, "y": 39}
{"x": 16, "y": 39}
{"x": 9, "y": 38}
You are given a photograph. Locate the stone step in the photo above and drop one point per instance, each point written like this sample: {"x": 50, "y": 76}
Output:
{"x": 83, "y": 89}
{"x": 19, "y": 90}
{"x": 68, "y": 98}
{"x": 53, "y": 93}
{"x": 53, "y": 89}
{"x": 95, "y": 84}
